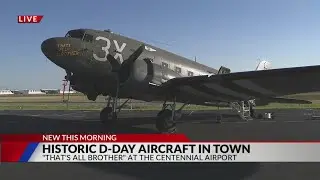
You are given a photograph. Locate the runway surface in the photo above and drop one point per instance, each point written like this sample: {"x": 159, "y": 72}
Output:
{"x": 288, "y": 125}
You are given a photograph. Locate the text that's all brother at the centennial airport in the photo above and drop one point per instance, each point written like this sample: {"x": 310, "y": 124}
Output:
{"x": 138, "y": 152}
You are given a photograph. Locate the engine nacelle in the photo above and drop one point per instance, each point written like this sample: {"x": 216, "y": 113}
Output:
{"x": 143, "y": 72}
{"x": 140, "y": 72}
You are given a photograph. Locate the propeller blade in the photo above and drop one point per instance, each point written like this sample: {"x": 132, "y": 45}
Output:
{"x": 114, "y": 63}
{"x": 134, "y": 56}
{"x": 116, "y": 66}
{"x": 124, "y": 70}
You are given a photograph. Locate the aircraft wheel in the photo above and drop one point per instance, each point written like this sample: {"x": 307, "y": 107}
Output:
{"x": 104, "y": 116}
{"x": 178, "y": 114}
{"x": 252, "y": 112}
{"x": 159, "y": 113}
{"x": 114, "y": 116}
{"x": 164, "y": 123}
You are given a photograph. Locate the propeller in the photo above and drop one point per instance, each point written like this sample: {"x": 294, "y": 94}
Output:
{"x": 134, "y": 56}
{"x": 124, "y": 67}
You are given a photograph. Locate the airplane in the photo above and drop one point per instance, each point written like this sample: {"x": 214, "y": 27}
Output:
{"x": 101, "y": 62}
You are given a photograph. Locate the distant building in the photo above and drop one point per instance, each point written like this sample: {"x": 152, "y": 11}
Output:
{"x": 16, "y": 92}
{"x": 50, "y": 91}
{"x": 27, "y": 91}
{"x": 5, "y": 92}
{"x": 67, "y": 92}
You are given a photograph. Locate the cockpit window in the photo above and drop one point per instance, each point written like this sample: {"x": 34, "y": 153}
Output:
{"x": 80, "y": 34}
{"x": 75, "y": 34}
{"x": 88, "y": 38}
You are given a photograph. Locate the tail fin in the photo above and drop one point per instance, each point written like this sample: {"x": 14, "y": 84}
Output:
{"x": 263, "y": 65}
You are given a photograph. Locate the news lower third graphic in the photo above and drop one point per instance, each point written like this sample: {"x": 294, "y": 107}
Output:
{"x": 148, "y": 148}
{"x": 129, "y": 152}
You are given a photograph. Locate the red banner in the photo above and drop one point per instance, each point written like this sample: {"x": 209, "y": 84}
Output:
{"x": 94, "y": 138}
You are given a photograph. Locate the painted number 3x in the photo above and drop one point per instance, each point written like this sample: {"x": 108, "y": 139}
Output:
{"x": 106, "y": 48}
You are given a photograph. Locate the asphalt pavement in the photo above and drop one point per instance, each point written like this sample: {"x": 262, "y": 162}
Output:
{"x": 288, "y": 125}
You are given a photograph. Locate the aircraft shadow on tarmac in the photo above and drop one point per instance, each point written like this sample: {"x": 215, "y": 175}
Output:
{"x": 227, "y": 171}
{"x": 29, "y": 124}
{"x": 32, "y": 124}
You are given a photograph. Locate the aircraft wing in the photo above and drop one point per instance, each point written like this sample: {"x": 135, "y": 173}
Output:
{"x": 251, "y": 84}
{"x": 259, "y": 102}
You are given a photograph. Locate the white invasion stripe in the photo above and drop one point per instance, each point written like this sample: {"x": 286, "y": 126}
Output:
{"x": 170, "y": 77}
{"x": 200, "y": 93}
{"x": 149, "y": 49}
{"x": 254, "y": 87}
{"x": 154, "y": 84}
{"x": 226, "y": 91}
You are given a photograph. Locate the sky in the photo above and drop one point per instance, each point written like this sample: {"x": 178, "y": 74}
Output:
{"x": 231, "y": 33}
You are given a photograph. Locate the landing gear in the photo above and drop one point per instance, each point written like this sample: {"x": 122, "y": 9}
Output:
{"x": 251, "y": 110}
{"x": 165, "y": 123}
{"x": 109, "y": 115}
{"x": 104, "y": 115}
{"x": 167, "y": 117}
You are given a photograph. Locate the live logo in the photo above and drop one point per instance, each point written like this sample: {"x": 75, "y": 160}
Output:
{"x": 29, "y": 18}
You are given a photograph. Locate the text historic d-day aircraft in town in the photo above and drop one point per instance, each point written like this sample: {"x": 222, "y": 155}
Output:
{"x": 109, "y": 64}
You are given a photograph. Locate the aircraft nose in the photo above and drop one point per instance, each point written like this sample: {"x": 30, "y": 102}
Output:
{"x": 49, "y": 48}
{"x": 71, "y": 54}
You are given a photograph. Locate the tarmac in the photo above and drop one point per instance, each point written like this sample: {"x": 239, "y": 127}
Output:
{"x": 288, "y": 125}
